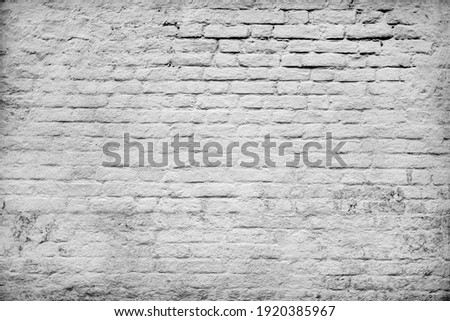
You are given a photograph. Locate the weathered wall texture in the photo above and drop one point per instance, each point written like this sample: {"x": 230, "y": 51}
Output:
{"x": 78, "y": 74}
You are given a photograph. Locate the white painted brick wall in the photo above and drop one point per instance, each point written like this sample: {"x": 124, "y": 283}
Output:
{"x": 76, "y": 75}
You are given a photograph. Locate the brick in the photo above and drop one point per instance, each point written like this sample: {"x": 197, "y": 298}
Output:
{"x": 191, "y": 59}
{"x": 399, "y": 60}
{"x": 63, "y": 115}
{"x": 260, "y": 17}
{"x": 263, "y": 46}
{"x": 313, "y": 88}
{"x": 302, "y": 46}
{"x": 52, "y": 100}
{"x": 322, "y": 74}
{"x": 123, "y": 74}
{"x": 291, "y": 60}
{"x": 355, "y": 75}
{"x": 218, "y": 31}
{"x": 217, "y": 101}
{"x": 296, "y": 32}
{"x": 386, "y": 88}
{"x": 376, "y": 31}
{"x": 87, "y": 101}
{"x": 229, "y": 46}
{"x": 333, "y": 16}
{"x": 125, "y": 87}
{"x": 261, "y": 31}
{"x": 336, "y": 46}
{"x": 200, "y": 45}
{"x": 350, "y": 89}
{"x": 381, "y": 5}
{"x": 340, "y": 4}
{"x": 217, "y": 87}
{"x": 277, "y": 102}
{"x": 223, "y": 4}
{"x": 288, "y": 74}
{"x": 366, "y": 47}
{"x": 194, "y": 30}
{"x": 240, "y": 87}
{"x": 389, "y": 74}
{"x": 225, "y": 74}
{"x": 225, "y": 60}
{"x": 357, "y": 61}
{"x": 413, "y": 46}
{"x": 184, "y": 87}
{"x": 258, "y": 73}
{"x": 297, "y": 17}
{"x": 152, "y": 87}
{"x": 156, "y": 59}
{"x": 190, "y": 73}
{"x": 334, "y": 32}
{"x": 258, "y": 60}
{"x": 404, "y": 17}
{"x": 440, "y": 177}
{"x": 221, "y": 17}
{"x": 287, "y": 88}
{"x": 393, "y": 116}
{"x": 323, "y": 60}
{"x": 301, "y": 4}
{"x": 366, "y": 17}
{"x": 157, "y": 73}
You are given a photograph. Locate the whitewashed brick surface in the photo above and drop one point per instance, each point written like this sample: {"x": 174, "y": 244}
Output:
{"x": 77, "y": 74}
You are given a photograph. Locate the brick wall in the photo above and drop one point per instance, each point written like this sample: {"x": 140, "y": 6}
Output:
{"x": 76, "y": 75}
